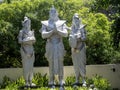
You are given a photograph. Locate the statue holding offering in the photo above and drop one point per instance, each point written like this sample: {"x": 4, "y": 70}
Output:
{"x": 77, "y": 39}
{"x": 26, "y": 38}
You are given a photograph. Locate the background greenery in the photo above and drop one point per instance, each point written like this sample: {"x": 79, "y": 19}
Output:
{"x": 103, "y": 29}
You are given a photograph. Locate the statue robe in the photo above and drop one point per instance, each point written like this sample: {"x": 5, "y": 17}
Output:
{"x": 76, "y": 41}
{"x": 54, "y": 46}
{"x": 27, "y": 39}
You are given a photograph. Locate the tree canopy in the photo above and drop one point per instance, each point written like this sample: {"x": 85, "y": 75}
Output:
{"x": 99, "y": 41}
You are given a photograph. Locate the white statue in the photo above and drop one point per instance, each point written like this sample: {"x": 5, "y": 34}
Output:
{"x": 26, "y": 39}
{"x": 77, "y": 39}
{"x": 53, "y": 30}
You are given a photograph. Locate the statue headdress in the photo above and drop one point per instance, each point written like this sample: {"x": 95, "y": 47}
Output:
{"x": 27, "y": 22}
{"x": 54, "y": 12}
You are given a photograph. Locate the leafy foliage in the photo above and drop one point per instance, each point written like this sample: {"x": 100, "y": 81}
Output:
{"x": 98, "y": 37}
{"x": 98, "y": 34}
{"x": 101, "y": 83}
{"x": 42, "y": 81}
{"x": 111, "y": 8}
{"x": 116, "y": 32}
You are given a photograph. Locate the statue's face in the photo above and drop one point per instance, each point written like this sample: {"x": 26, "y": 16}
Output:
{"x": 76, "y": 21}
{"x": 53, "y": 14}
{"x": 26, "y": 23}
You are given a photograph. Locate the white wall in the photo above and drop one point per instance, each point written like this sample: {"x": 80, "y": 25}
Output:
{"x": 102, "y": 70}
{"x": 107, "y": 72}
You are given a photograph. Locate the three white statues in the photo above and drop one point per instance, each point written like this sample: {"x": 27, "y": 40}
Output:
{"x": 54, "y": 30}
{"x": 26, "y": 39}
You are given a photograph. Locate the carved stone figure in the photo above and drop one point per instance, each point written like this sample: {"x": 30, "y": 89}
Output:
{"x": 77, "y": 39}
{"x": 26, "y": 39}
{"x": 53, "y": 30}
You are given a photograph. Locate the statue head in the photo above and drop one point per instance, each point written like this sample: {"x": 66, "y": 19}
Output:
{"x": 26, "y": 23}
{"x": 76, "y": 20}
{"x": 53, "y": 14}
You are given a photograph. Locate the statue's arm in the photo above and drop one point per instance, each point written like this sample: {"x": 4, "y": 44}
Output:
{"x": 83, "y": 34}
{"x": 20, "y": 37}
{"x": 64, "y": 31}
{"x": 45, "y": 33}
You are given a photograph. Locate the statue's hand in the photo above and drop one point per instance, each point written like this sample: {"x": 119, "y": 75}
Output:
{"x": 28, "y": 55}
{"x": 78, "y": 35}
{"x": 75, "y": 50}
{"x": 27, "y": 43}
{"x": 55, "y": 31}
